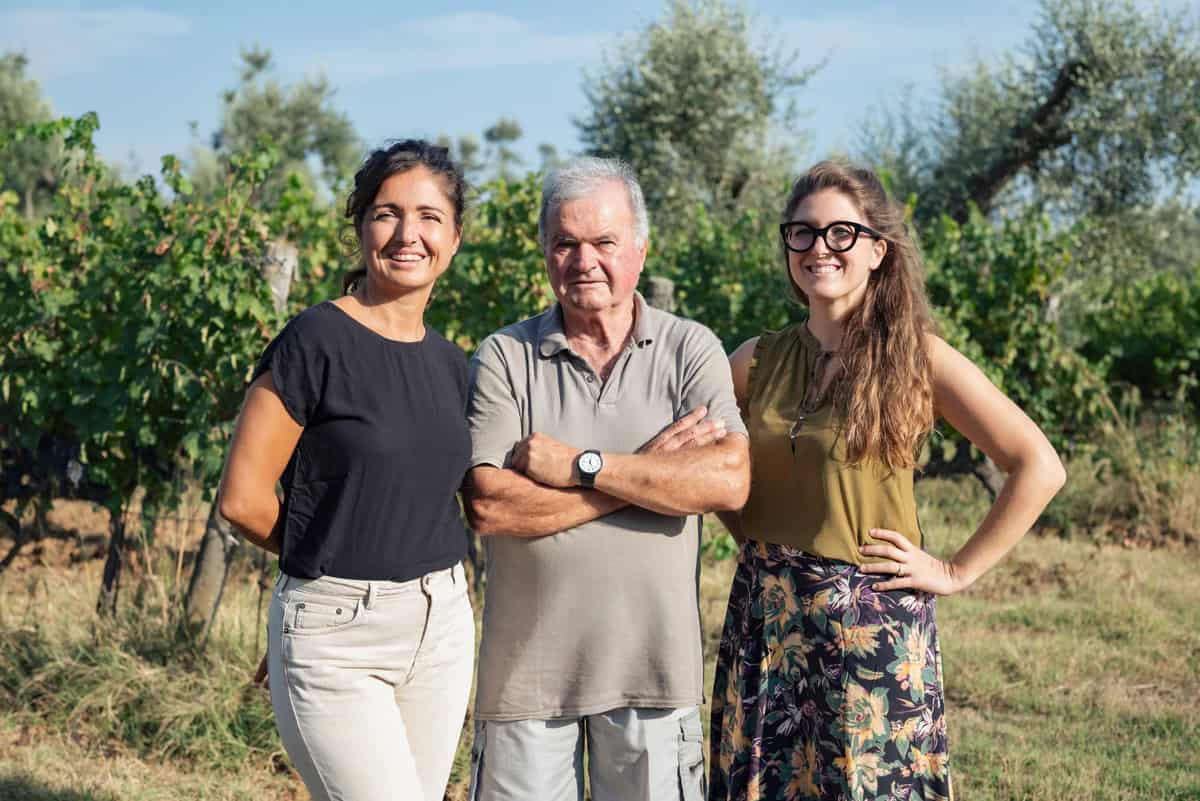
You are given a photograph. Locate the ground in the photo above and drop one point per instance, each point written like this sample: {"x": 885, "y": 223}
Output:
{"x": 1071, "y": 671}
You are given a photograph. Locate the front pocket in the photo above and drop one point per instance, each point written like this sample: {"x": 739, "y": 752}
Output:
{"x": 307, "y": 615}
{"x": 691, "y": 757}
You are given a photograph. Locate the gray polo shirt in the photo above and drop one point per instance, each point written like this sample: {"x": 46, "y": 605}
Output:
{"x": 604, "y": 615}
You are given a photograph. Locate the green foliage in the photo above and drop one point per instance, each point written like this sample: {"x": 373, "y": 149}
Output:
{"x": 499, "y": 159}
{"x": 498, "y": 276}
{"x": 468, "y": 153}
{"x": 691, "y": 102}
{"x": 131, "y": 321}
{"x": 730, "y": 276}
{"x": 718, "y": 546}
{"x": 28, "y": 163}
{"x": 993, "y": 288}
{"x": 1096, "y": 123}
{"x": 324, "y": 240}
{"x": 1147, "y": 331}
{"x": 133, "y": 316}
{"x": 1138, "y": 481}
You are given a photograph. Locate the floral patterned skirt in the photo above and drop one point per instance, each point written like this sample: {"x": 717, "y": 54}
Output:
{"x": 825, "y": 689}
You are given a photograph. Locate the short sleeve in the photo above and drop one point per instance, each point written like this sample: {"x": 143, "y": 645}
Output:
{"x": 457, "y": 361}
{"x": 492, "y": 410}
{"x": 752, "y": 380}
{"x": 708, "y": 380}
{"x": 296, "y": 371}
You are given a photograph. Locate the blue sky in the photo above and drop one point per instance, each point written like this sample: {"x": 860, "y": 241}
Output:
{"x": 454, "y": 68}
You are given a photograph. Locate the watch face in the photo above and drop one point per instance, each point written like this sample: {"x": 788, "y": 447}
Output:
{"x": 590, "y": 462}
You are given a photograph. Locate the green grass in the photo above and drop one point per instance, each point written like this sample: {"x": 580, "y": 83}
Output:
{"x": 1071, "y": 668}
{"x": 1071, "y": 673}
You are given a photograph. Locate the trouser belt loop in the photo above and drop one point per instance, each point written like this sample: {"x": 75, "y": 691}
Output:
{"x": 371, "y": 592}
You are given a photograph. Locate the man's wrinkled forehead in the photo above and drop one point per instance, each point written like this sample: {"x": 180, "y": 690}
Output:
{"x": 605, "y": 205}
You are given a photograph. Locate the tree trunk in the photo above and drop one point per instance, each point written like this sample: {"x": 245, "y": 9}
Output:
{"x": 990, "y": 476}
{"x": 106, "y": 604}
{"x": 219, "y": 543}
{"x": 660, "y": 293}
{"x": 277, "y": 269}
{"x": 1042, "y": 132}
{"x": 18, "y": 536}
{"x": 964, "y": 462}
{"x": 217, "y": 549}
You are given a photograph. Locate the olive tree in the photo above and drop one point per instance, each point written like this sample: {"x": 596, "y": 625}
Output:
{"x": 298, "y": 119}
{"x": 695, "y": 103}
{"x": 1099, "y": 112}
{"x": 27, "y": 166}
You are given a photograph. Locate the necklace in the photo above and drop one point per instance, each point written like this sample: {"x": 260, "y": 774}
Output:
{"x": 815, "y": 393}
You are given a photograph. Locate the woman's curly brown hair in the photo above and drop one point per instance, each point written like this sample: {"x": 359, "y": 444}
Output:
{"x": 884, "y": 392}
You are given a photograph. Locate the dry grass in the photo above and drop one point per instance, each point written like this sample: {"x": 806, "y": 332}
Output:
{"x": 1071, "y": 673}
{"x": 1139, "y": 481}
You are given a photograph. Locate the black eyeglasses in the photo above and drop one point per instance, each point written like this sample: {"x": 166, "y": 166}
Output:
{"x": 839, "y": 236}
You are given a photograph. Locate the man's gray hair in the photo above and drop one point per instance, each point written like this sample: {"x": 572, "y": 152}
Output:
{"x": 583, "y": 175}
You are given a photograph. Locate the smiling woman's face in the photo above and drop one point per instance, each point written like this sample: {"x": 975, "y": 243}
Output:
{"x": 409, "y": 233}
{"x": 836, "y": 280}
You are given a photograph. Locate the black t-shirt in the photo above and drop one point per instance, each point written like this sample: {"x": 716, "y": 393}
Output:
{"x": 369, "y": 490}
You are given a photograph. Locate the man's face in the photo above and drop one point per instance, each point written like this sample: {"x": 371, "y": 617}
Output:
{"x": 592, "y": 257}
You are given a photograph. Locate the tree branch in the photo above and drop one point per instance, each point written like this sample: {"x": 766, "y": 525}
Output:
{"x": 1028, "y": 141}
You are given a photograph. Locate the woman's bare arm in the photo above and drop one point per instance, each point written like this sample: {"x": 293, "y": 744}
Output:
{"x": 984, "y": 415}
{"x": 263, "y": 441}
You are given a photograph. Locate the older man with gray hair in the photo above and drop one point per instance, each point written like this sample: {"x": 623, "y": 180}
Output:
{"x": 602, "y": 429}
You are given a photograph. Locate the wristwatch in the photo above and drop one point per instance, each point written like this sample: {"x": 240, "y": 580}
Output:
{"x": 589, "y": 464}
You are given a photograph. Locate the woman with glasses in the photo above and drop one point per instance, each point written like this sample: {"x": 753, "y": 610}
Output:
{"x": 828, "y": 680}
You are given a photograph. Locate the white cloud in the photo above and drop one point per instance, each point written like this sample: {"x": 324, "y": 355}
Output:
{"x": 890, "y": 43}
{"x": 456, "y": 41}
{"x": 60, "y": 43}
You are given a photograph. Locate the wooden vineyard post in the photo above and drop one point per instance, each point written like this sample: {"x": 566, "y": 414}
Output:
{"x": 220, "y": 543}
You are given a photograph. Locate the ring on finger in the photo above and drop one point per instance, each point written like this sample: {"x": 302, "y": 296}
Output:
{"x": 899, "y": 568}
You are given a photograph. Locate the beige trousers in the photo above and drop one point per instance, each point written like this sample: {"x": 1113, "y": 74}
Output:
{"x": 633, "y": 755}
{"x": 369, "y": 682}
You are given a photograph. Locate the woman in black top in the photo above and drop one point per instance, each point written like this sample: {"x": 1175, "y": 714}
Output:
{"x": 358, "y": 408}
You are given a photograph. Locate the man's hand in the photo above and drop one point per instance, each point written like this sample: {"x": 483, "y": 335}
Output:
{"x": 546, "y": 460}
{"x": 693, "y": 430}
{"x": 550, "y": 462}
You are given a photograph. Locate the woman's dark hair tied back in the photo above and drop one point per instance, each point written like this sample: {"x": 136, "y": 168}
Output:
{"x": 397, "y": 157}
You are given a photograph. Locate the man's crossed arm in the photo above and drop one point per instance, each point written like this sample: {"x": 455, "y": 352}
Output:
{"x": 690, "y": 467}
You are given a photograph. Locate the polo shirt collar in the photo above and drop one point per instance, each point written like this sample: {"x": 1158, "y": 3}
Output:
{"x": 552, "y": 339}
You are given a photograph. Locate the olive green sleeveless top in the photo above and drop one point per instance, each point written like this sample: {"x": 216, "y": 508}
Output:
{"x": 802, "y": 494}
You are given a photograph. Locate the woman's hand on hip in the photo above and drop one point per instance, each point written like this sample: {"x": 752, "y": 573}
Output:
{"x": 910, "y": 567}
